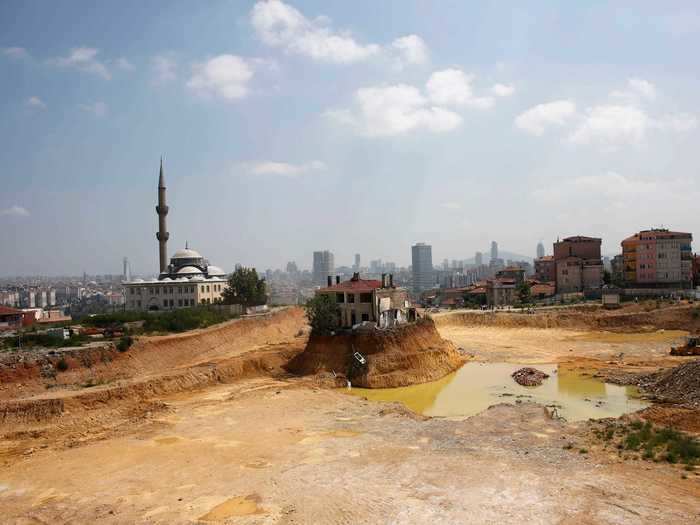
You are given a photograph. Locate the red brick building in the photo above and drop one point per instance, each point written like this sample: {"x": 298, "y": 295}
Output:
{"x": 579, "y": 266}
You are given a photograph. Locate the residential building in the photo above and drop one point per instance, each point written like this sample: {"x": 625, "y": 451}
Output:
{"x": 478, "y": 258}
{"x": 323, "y": 266}
{"x": 546, "y": 269}
{"x": 10, "y": 318}
{"x": 356, "y": 266}
{"x": 617, "y": 269}
{"x": 658, "y": 258}
{"x": 422, "y": 264}
{"x": 369, "y": 300}
{"x": 494, "y": 250}
{"x": 579, "y": 266}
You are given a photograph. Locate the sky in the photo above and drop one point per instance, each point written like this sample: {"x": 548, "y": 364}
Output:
{"x": 357, "y": 127}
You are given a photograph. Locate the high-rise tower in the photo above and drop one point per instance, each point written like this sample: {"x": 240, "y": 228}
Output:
{"x": 162, "y": 211}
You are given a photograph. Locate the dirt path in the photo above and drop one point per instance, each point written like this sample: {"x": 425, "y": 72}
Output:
{"x": 265, "y": 451}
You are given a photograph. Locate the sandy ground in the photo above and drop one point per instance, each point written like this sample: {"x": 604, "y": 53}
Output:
{"x": 259, "y": 450}
{"x": 536, "y": 345}
{"x": 264, "y": 451}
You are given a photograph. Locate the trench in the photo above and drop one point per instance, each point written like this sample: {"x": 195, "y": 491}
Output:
{"x": 476, "y": 386}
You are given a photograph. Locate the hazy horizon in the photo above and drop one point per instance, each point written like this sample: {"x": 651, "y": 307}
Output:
{"x": 356, "y": 127}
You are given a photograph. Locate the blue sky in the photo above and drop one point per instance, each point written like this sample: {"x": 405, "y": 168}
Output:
{"x": 349, "y": 126}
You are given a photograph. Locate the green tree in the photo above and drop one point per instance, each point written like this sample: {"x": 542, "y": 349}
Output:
{"x": 523, "y": 291}
{"x": 607, "y": 277}
{"x": 322, "y": 313}
{"x": 245, "y": 287}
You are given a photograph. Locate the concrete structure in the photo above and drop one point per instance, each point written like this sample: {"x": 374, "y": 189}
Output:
{"x": 189, "y": 280}
{"x": 658, "y": 258}
{"x": 356, "y": 266}
{"x": 478, "y": 259}
{"x": 369, "y": 300}
{"x": 323, "y": 267}
{"x": 494, "y": 250}
{"x": 579, "y": 266}
{"x": 422, "y": 266}
{"x": 500, "y": 292}
{"x": 617, "y": 269}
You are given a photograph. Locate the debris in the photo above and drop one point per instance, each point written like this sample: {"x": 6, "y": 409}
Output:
{"x": 529, "y": 376}
{"x": 677, "y": 385}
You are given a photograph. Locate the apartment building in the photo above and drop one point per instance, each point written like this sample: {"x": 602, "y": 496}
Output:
{"x": 658, "y": 258}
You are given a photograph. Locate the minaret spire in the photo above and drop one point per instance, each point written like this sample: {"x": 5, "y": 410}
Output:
{"x": 162, "y": 211}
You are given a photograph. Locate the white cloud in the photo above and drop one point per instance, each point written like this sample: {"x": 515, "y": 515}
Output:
{"x": 281, "y": 25}
{"x": 451, "y": 205}
{"x": 83, "y": 59}
{"x": 14, "y": 211}
{"x": 536, "y": 119}
{"x": 502, "y": 90}
{"x": 164, "y": 69}
{"x": 36, "y": 102}
{"x": 15, "y": 52}
{"x": 225, "y": 76}
{"x": 411, "y": 49}
{"x": 680, "y": 122}
{"x": 99, "y": 109}
{"x": 637, "y": 90}
{"x": 283, "y": 169}
{"x": 452, "y": 87}
{"x": 123, "y": 64}
{"x": 394, "y": 110}
{"x": 610, "y": 124}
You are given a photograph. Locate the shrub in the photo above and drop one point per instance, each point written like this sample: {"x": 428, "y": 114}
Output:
{"x": 125, "y": 343}
{"x": 62, "y": 365}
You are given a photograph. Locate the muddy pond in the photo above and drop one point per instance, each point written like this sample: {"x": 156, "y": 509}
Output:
{"x": 476, "y": 386}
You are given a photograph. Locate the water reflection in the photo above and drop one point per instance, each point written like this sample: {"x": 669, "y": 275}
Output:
{"x": 476, "y": 386}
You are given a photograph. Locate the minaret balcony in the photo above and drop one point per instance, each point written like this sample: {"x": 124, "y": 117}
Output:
{"x": 162, "y": 210}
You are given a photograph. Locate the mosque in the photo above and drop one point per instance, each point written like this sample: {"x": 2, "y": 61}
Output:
{"x": 189, "y": 280}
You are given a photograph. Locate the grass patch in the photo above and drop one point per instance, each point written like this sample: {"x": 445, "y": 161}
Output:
{"x": 654, "y": 443}
{"x": 180, "y": 320}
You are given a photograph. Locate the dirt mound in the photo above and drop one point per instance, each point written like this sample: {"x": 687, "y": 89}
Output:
{"x": 529, "y": 376}
{"x": 677, "y": 385}
{"x": 401, "y": 356}
{"x": 684, "y": 317}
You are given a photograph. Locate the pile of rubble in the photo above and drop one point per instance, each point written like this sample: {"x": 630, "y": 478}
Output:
{"x": 677, "y": 385}
{"x": 529, "y": 376}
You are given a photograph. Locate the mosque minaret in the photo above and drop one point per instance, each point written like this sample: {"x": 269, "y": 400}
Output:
{"x": 189, "y": 280}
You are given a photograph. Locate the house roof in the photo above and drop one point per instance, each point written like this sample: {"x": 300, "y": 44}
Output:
{"x": 545, "y": 258}
{"x": 359, "y": 285}
{"x": 6, "y": 310}
{"x": 581, "y": 238}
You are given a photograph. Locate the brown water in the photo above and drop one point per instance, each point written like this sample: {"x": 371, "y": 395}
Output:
{"x": 476, "y": 386}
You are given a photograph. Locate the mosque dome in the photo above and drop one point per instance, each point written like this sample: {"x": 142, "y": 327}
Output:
{"x": 186, "y": 254}
{"x": 189, "y": 270}
{"x": 215, "y": 271}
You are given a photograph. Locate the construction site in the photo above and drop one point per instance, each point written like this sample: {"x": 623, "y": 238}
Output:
{"x": 253, "y": 421}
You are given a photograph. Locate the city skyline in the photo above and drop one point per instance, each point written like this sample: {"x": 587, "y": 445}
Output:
{"x": 524, "y": 124}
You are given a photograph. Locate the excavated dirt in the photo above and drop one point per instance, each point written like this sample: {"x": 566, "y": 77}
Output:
{"x": 208, "y": 427}
{"x": 402, "y": 356}
{"x": 632, "y": 318}
{"x": 680, "y": 384}
{"x": 529, "y": 376}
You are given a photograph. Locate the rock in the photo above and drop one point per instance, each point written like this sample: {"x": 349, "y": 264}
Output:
{"x": 529, "y": 376}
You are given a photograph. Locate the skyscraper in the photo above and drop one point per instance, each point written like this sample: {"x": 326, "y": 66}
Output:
{"x": 478, "y": 258}
{"x": 422, "y": 261}
{"x": 494, "y": 250}
{"x": 540, "y": 249}
{"x": 356, "y": 266}
{"x": 324, "y": 265}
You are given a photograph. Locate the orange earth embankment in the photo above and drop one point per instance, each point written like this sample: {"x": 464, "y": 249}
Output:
{"x": 401, "y": 356}
{"x": 684, "y": 317}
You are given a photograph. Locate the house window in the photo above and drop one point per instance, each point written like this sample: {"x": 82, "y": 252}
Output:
{"x": 365, "y": 317}
{"x": 340, "y": 298}
{"x": 207, "y": 288}
{"x": 351, "y": 297}
{"x": 179, "y": 302}
{"x": 365, "y": 297}
{"x": 165, "y": 303}
{"x": 157, "y": 290}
